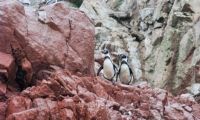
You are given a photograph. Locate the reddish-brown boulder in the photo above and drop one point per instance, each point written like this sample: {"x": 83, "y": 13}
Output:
{"x": 7, "y": 67}
{"x": 48, "y": 37}
{"x": 98, "y": 57}
{"x": 69, "y": 38}
{"x": 18, "y": 104}
{"x": 3, "y": 107}
{"x": 96, "y": 98}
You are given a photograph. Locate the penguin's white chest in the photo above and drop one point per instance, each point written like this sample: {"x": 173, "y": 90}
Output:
{"x": 124, "y": 75}
{"x": 108, "y": 69}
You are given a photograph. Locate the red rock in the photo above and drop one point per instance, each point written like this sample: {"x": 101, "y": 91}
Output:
{"x": 77, "y": 99}
{"x": 64, "y": 37}
{"x": 7, "y": 66}
{"x": 144, "y": 106}
{"x": 131, "y": 98}
{"x": 17, "y": 104}
{"x": 98, "y": 57}
{"x": 43, "y": 91}
{"x": 3, "y": 88}
{"x": 3, "y": 107}
{"x": 65, "y": 114}
{"x": 97, "y": 110}
{"x": 161, "y": 94}
{"x": 187, "y": 99}
{"x": 55, "y": 87}
{"x": 107, "y": 85}
{"x": 86, "y": 95}
{"x": 102, "y": 113}
{"x": 96, "y": 67}
{"x": 40, "y": 103}
{"x": 81, "y": 111}
{"x": 143, "y": 113}
{"x": 126, "y": 87}
{"x": 112, "y": 104}
{"x": 88, "y": 82}
{"x": 173, "y": 114}
{"x": 187, "y": 108}
{"x": 119, "y": 96}
{"x": 100, "y": 91}
{"x": 126, "y": 117}
{"x": 26, "y": 66}
{"x": 30, "y": 114}
{"x": 156, "y": 114}
{"x": 115, "y": 115}
{"x": 91, "y": 103}
{"x": 67, "y": 103}
{"x": 157, "y": 105}
{"x": 195, "y": 111}
{"x": 143, "y": 85}
{"x": 53, "y": 108}
{"x": 72, "y": 34}
{"x": 68, "y": 39}
{"x": 42, "y": 107}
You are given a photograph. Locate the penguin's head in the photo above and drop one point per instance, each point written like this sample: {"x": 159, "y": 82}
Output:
{"x": 123, "y": 57}
{"x": 105, "y": 52}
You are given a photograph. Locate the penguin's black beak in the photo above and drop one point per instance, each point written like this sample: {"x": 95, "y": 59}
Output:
{"x": 121, "y": 56}
{"x": 105, "y": 51}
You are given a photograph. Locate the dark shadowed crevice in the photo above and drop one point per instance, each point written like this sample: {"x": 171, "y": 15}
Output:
{"x": 190, "y": 55}
{"x": 168, "y": 61}
{"x": 53, "y": 26}
{"x": 20, "y": 78}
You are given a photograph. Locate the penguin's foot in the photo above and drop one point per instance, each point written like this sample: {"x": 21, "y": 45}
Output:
{"x": 113, "y": 83}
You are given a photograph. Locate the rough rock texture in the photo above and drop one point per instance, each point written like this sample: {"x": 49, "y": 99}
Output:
{"x": 173, "y": 62}
{"x": 159, "y": 36}
{"x": 66, "y": 96}
{"x": 51, "y": 35}
{"x": 34, "y": 41}
{"x": 56, "y": 44}
{"x": 112, "y": 28}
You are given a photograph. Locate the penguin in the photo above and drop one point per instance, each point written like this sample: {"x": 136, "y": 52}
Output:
{"x": 125, "y": 73}
{"x": 109, "y": 68}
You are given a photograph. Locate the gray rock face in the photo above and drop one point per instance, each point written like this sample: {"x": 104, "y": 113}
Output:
{"x": 113, "y": 30}
{"x": 175, "y": 47}
{"x": 159, "y": 36}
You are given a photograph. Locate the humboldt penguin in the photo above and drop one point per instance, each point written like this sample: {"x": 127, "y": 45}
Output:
{"x": 109, "y": 68}
{"x": 125, "y": 73}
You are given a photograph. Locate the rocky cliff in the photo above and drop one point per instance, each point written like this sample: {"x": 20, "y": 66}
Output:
{"x": 159, "y": 36}
{"x": 48, "y": 59}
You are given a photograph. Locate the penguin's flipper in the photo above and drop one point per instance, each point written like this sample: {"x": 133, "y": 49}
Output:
{"x": 99, "y": 70}
{"x": 131, "y": 72}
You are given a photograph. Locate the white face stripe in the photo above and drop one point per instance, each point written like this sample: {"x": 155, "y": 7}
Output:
{"x": 124, "y": 59}
{"x": 108, "y": 55}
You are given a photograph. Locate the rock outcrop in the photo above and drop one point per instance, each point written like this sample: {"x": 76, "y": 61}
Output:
{"x": 66, "y": 96}
{"x": 37, "y": 38}
{"x": 33, "y": 41}
{"x": 55, "y": 44}
{"x": 113, "y": 30}
{"x": 159, "y": 36}
{"x": 173, "y": 61}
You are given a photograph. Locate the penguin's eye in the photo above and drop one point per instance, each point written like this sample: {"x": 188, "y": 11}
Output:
{"x": 123, "y": 56}
{"x": 106, "y": 51}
